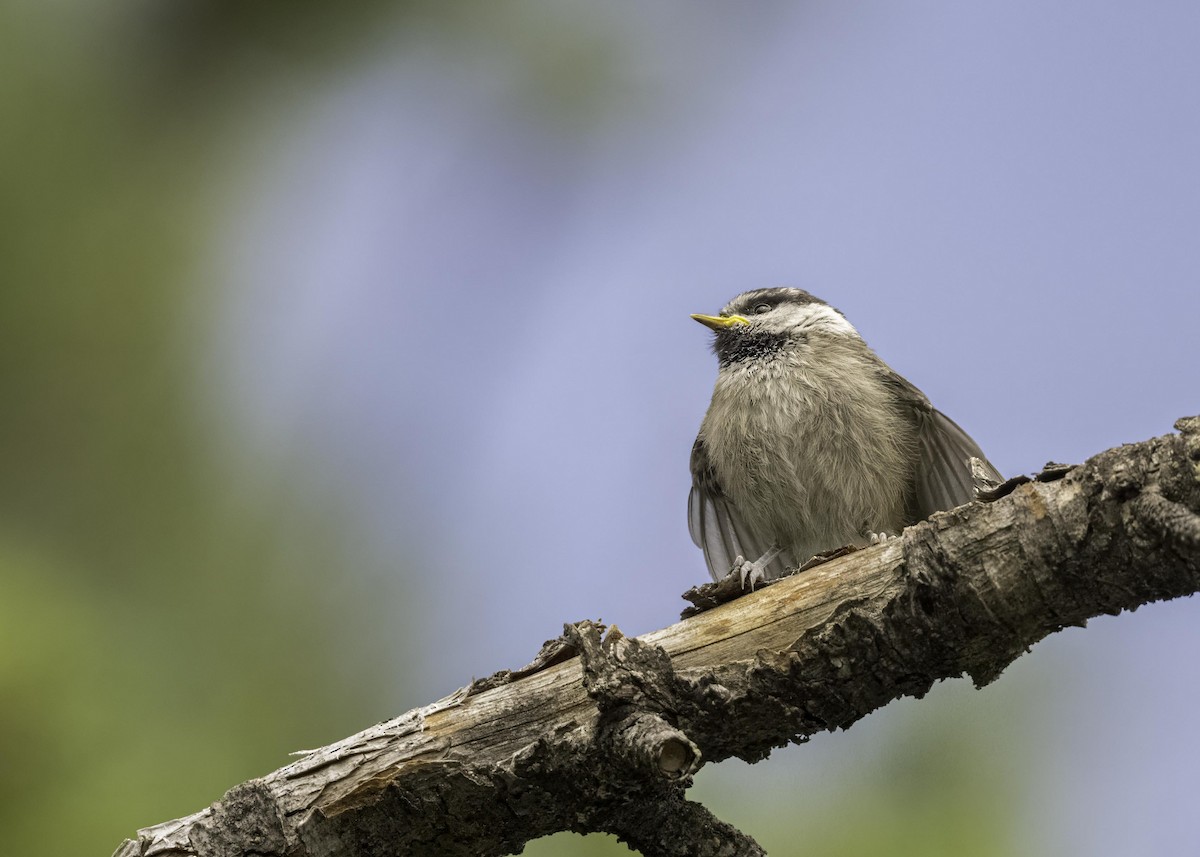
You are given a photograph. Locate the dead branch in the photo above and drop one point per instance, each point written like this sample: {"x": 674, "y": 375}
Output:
{"x": 603, "y": 733}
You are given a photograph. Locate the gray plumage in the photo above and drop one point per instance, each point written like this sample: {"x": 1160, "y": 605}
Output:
{"x": 812, "y": 442}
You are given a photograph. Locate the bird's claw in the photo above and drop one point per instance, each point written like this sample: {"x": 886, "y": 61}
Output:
{"x": 749, "y": 572}
{"x": 879, "y": 538}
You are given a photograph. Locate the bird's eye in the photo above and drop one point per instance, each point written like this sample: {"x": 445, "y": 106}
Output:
{"x": 761, "y": 308}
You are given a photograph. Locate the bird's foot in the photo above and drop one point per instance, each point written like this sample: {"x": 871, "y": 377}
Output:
{"x": 880, "y": 538}
{"x": 752, "y": 573}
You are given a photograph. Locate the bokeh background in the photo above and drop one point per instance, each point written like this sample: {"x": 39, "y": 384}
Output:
{"x": 344, "y": 355}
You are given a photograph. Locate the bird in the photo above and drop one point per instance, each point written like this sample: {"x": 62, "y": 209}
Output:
{"x": 812, "y": 443}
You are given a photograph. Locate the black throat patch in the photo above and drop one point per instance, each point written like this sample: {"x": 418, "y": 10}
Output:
{"x": 739, "y": 346}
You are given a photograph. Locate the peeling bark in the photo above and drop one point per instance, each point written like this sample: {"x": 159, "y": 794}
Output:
{"x": 603, "y": 733}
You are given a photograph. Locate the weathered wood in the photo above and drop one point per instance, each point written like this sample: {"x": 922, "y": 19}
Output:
{"x": 602, "y": 733}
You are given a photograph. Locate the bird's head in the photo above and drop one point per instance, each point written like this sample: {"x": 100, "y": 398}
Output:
{"x": 763, "y": 321}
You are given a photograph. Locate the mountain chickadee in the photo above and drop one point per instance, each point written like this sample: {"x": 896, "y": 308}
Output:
{"x": 812, "y": 442}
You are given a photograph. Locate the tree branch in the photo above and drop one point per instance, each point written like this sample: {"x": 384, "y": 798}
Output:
{"x": 603, "y": 733}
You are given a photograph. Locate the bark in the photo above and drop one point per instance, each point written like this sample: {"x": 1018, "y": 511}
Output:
{"x": 603, "y": 733}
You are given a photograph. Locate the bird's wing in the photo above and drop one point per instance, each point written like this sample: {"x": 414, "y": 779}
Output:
{"x": 945, "y": 476}
{"x": 718, "y": 529}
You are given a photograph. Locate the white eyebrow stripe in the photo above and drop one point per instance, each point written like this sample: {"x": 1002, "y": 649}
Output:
{"x": 824, "y": 318}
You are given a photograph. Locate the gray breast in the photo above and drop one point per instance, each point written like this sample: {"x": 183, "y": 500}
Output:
{"x": 811, "y": 453}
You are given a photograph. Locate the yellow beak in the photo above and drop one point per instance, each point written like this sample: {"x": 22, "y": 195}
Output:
{"x": 721, "y": 322}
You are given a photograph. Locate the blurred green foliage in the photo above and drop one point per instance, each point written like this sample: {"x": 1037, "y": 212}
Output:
{"x": 168, "y": 620}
